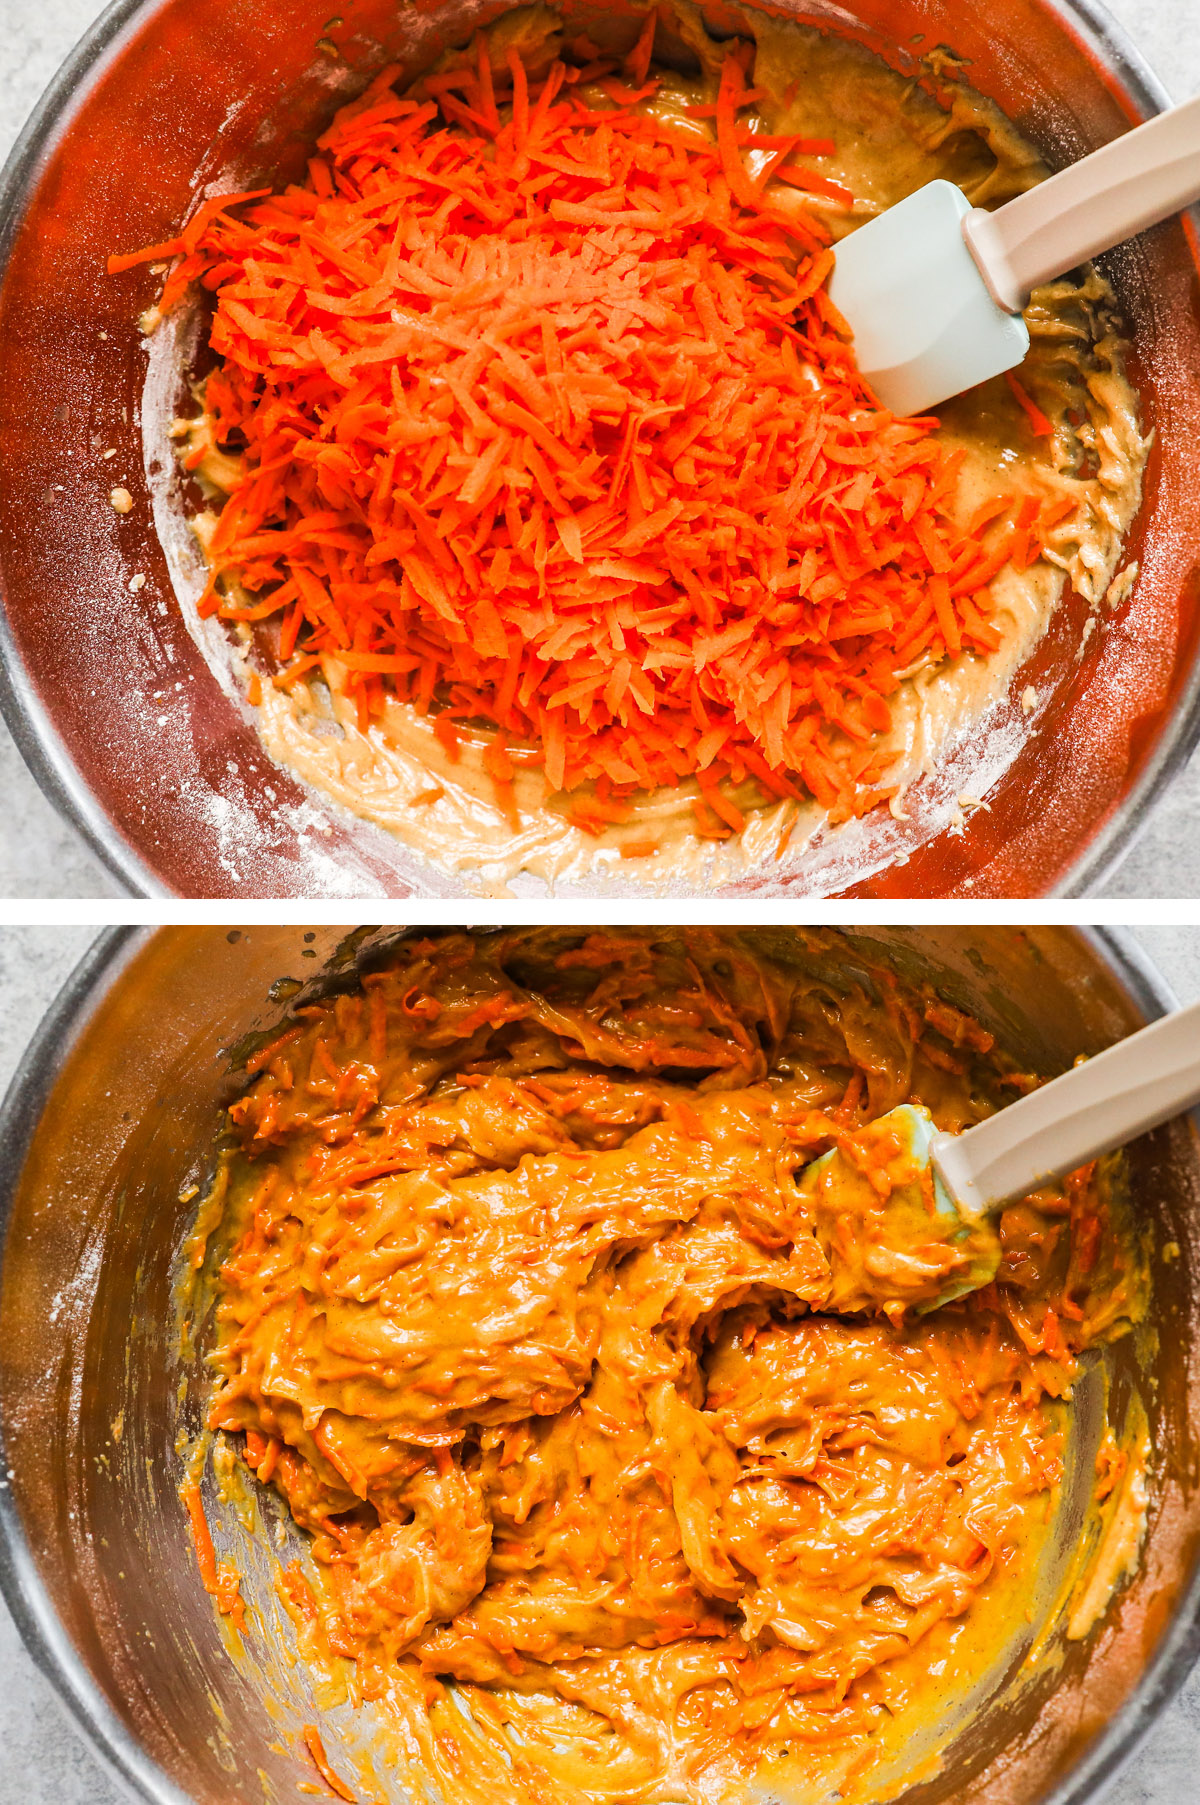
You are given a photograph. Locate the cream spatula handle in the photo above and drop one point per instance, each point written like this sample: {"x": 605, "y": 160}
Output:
{"x": 1100, "y": 201}
{"x": 1131, "y": 1087}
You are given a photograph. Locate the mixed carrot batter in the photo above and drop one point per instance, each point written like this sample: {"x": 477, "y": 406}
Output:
{"x": 632, "y": 1457}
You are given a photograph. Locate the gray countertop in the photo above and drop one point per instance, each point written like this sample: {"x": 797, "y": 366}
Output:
{"x": 43, "y": 1760}
{"x": 40, "y": 855}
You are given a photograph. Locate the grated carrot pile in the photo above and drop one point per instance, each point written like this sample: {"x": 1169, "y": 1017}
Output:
{"x": 548, "y": 422}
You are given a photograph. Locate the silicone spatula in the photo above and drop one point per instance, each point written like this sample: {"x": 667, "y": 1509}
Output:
{"x": 933, "y": 288}
{"x": 1099, "y": 1105}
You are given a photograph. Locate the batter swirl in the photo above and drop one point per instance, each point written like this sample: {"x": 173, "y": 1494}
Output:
{"x": 596, "y": 1411}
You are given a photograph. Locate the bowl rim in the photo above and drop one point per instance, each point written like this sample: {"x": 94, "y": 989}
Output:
{"x": 30, "y": 722}
{"x": 45, "y": 1637}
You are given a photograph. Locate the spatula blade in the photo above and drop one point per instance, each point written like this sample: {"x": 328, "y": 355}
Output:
{"x": 925, "y": 326}
{"x": 900, "y": 1244}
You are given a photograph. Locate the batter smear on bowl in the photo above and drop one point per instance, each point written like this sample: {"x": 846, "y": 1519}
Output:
{"x": 636, "y": 1463}
{"x": 558, "y": 526}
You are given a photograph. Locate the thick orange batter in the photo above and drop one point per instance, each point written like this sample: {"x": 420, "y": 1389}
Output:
{"x": 591, "y": 1405}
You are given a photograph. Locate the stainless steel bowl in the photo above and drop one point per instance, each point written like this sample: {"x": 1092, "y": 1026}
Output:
{"x": 114, "y": 1109}
{"x": 110, "y": 697}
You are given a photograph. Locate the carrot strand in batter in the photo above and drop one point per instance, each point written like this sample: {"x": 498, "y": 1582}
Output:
{"x": 316, "y": 1748}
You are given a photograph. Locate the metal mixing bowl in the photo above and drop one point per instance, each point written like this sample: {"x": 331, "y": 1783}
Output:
{"x": 114, "y": 1108}
{"x": 110, "y": 697}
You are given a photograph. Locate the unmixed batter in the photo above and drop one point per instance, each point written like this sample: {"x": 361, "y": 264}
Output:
{"x": 600, "y": 1409}
{"x": 744, "y": 757}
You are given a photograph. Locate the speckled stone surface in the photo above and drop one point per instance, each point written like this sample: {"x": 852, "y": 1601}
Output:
{"x": 40, "y": 855}
{"x": 44, "y": 1760}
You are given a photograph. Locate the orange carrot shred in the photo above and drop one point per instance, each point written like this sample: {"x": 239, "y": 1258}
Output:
{"x": 320, "y": 1760}
{"x": 1041, "y": 424}
{"x": 219, "y": 1579}
{"x": 191, "y": 235}
{"x": 1054, "y": 511}
{"x": 637, "y": 63}
{"x": 815, "y": 183}
{"x": 153, "y": 253}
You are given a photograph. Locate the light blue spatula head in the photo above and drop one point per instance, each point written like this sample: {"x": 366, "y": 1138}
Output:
{"x": 894, "y": 1237}
{"x": 925, "y": 326}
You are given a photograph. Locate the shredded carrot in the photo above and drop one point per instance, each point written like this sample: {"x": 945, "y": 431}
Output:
{"x": 258, "y": 1061}
{"x": 637, "y": 63}
{"x": 320, "y": 1760}
{"x": 1041, "y": 424}
{"x": 219, "y": 1578}
{"x": 547, "y": 422}
{"x": 206, "y": 1558}
{"x": 192, "y": 233}
{"x": 1054, "y": 511}
{"x": 153, "y": 253}
{"x": 816, "y": 183}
